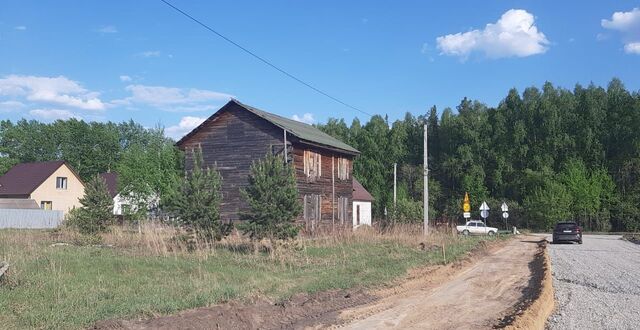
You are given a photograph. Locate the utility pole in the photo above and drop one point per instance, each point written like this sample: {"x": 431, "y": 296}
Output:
{"x": 395, "y": 184}
{"x": 285, "y": 146}
{"x": 426, "y": 183}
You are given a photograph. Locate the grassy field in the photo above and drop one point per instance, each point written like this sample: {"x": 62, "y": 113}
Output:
{"x": 142, "y": 275}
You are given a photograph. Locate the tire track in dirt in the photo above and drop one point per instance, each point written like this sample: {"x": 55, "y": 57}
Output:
{"x": 477, "y": 297}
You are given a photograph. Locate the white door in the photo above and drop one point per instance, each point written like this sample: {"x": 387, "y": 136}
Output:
{"x": 482, "y": 229}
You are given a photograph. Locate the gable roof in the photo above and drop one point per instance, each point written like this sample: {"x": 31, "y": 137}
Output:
{"x": 111, "y": 179}
{"x": 359, "y": 193}
{"x": 24, "y": 178}
{"x": 304, "y": 132}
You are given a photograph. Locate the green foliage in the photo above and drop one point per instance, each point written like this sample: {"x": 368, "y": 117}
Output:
{"x": 195, "y": 202}
{"x": 96, "y": 212}
{"x": 90, "y": 148}
{"x": 148, "y": 170}
{"x": 577, "y": 147}
{"x": 273, "y": 200}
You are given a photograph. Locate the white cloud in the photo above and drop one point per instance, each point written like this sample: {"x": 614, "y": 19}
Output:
{"x": 514, "y": 34}
{"x": 174, "y": 99}
{"x": 53, "y": 114}
{"x": 149, "y": 53}
{"x": 627, "y": 23}
{"x": 307, "y": 118}
{"x": 186, "y": 125}
{"x": 108, "y": 29}
{"x": 623, "y": 21}
{"x": 125, "y": 78}
{"x": 632, "y": 48}
{"x": 51, "y": 90}
{"x": 20, "y": 27}
{"x": 10, "y": 106}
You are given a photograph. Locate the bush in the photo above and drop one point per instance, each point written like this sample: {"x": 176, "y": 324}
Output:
{"x": 96, "y": 213}
{"x": 196, "y": 202}
{"x": 273, "y": 200}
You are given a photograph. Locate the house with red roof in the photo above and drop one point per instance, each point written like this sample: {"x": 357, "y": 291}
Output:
{"x": 53, "y": 185}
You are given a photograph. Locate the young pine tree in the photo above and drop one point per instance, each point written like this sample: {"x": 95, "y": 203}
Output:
{"x": 96, "y": 212}
{"x": 273, "y": 200}
{"x": 196, "y": 202}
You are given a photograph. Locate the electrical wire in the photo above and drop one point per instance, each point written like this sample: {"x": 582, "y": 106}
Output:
{"x": 263, "y": 60}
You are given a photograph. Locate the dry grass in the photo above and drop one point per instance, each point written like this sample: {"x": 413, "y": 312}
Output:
{"x": 144, "y": 271}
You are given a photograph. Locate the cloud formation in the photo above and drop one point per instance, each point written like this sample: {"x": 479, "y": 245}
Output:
{"x": 149, "y": 53}
{"x": 108, "y": 29}
{"x": 306, "y": 118}
{"x": 632, "y": 48}
{"x": 628, "y": 24}
{"x": 50, "y": 90}
{"x": 53, "y": 114}
{"x": 125, "y": 78}
{"x": 513, "y": 35}
{"x": 174, "y": 99}
{"x": 185, "y": 126}
{"x": 20, "y": 27}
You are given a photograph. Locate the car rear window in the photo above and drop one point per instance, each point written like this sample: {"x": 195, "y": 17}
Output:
{"x": 566, "y": 226}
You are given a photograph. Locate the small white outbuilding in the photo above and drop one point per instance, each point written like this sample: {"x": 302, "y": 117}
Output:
{"x": 362, "y": 200}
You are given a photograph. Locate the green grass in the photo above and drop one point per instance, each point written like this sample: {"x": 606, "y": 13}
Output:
{"x": 69, "y": 287}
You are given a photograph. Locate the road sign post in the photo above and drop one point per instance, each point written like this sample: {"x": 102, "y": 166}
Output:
{"x": 505, "y": 213}
{"x": 466, "y": 207}
{"x": 484, "y": 211}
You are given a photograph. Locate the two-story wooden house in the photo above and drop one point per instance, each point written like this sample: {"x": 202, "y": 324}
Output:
{"x": 238, "y": 134}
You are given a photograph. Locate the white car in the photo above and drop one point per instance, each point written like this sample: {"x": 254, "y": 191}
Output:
{"x": 476, "y": 227}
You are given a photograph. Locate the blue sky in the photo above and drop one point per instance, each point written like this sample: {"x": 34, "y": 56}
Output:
{"x": 116, "y": 60}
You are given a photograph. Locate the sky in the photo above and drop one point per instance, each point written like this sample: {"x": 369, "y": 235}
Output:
{"x": 141, "y": 60}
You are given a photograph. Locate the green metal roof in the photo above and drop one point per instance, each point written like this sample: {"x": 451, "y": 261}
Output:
{"x": 300, "y": 130}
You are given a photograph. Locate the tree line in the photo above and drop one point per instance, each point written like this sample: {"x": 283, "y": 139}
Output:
{"x": 551, "y": 153}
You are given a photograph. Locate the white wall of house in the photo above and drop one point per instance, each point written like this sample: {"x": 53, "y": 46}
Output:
{"x": 363, "y": 209}
{"x": 120, "y": 202}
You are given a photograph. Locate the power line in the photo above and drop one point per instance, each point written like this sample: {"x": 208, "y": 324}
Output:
{"x": 264, "y": 60}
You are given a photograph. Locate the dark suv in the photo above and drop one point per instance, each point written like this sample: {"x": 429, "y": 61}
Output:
{"x": 567, "y": 232}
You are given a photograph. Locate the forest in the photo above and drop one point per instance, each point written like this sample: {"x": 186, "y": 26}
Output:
{"x": 551, "y": 154}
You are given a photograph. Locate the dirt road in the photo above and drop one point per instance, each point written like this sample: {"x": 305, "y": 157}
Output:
{"x": 597, "y": 284}
{"x": 476, "y": 298}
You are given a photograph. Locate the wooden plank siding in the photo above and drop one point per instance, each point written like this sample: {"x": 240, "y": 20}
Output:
{"x": 236, "y": 138}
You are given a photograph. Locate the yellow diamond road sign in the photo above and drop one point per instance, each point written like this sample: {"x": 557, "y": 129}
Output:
{"x": 466, "y": 206}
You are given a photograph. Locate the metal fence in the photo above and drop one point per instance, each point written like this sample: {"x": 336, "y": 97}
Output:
{"x": 30, "y": 218}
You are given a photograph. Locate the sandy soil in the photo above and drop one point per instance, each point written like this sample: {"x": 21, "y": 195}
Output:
{"x": 484, "y": 290}
{"x": 477, "y": 297}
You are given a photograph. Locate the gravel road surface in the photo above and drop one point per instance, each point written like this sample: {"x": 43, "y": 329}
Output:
{"x": 597, "y": 284}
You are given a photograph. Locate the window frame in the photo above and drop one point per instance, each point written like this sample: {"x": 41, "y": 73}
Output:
{"x": 343, "y": 168}
{"x": 62, "y": 183}
{"x": 43, "y": 205}
{"x": 312, "y": 164}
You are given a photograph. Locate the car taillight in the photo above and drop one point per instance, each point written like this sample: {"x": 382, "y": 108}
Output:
{"x": 579, "y": 229}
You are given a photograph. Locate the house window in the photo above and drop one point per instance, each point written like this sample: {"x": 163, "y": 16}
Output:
{"x": 61, "y": 182}
{"x": 343, "y": 169}
{"x": 358, "y": 214}
{"x": 343, "y": 209}
{"x": 46, "y": 205}
{"x": 312, "y": 164}
{"x": 312, "y": 210}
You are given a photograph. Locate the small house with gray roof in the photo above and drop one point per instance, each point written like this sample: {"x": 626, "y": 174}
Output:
{"x": 238, "y": 134}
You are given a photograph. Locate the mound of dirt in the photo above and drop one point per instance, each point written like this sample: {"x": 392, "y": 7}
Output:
{"x": 300, "y": 311}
